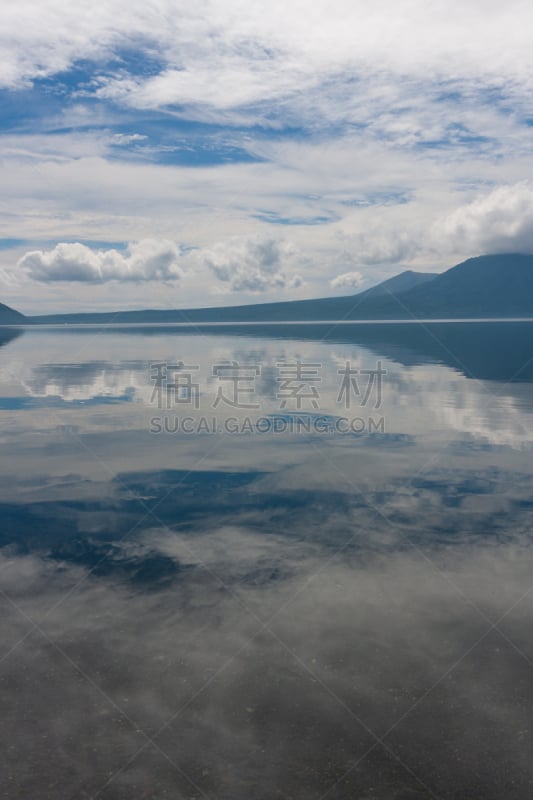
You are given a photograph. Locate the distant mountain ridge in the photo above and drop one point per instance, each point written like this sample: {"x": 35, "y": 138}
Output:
{"x": 399, "y": 283}
{"x": 299, "y": 310}
{"x": 485, "y": 286}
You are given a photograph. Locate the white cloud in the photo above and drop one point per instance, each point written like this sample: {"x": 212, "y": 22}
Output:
{"x": 227, "y": 52}
{"x": 127, "y": 138}
{"x": 254, "y": 264}
{"x": 349, "y": 280}
{"x": 498, "y": 222}
{"x": 394, "y": 100}
{"x": 381, "y": 246}
{"x": 147, "y": 260}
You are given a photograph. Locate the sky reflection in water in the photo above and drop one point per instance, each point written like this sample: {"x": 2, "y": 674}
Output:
{"x": 259, "y": 615}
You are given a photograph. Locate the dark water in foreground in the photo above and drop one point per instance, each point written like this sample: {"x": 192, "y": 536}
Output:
{"x": 331, "y": 596}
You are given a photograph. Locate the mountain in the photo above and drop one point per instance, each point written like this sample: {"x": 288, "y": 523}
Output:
{"x": 8, "y": 316}
{"x": 486, "y": 286}
{"x": 399, "y": 283}
{"x": 324, "y": 308}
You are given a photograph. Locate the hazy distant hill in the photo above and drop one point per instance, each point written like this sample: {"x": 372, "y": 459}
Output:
{"x": 487, "y": 286}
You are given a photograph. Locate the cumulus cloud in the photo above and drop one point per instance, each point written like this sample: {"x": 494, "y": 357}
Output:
{"x": 379, "y": 246}
{"x": 498, "y": 222}
{"x": 146, "y": 260}
{"x": 349, "y": 280}
{"x": 254, "y": 264}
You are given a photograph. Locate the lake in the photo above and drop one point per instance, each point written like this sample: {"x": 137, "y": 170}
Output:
{"x": 270, "y": 561}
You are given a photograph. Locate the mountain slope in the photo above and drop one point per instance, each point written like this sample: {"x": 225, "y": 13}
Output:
{"x": 333, "y": 308}
{"x": 486, "y": 286}
{"x": 8, "y": 316}
{"x": 399, "y": 283}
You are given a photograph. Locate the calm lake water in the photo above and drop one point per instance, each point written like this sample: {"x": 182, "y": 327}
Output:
{"x": 267, "y": 562}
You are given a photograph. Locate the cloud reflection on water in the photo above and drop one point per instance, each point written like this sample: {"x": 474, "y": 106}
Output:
{"x": 278, "y": 604}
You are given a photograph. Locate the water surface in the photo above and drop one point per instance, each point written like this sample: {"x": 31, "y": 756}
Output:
{"x": 273, "y": 603}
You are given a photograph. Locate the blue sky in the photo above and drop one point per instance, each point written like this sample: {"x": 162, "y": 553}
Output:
{"x": 164, "y": 154}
